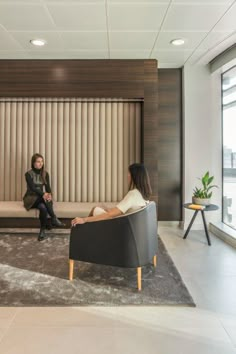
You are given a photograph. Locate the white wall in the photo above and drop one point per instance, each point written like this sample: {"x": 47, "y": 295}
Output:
{"x": 202, "y": 135}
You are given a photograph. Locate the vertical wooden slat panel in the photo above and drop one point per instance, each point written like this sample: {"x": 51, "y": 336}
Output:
{"x": 102, "y": 149}
{"x": 120, "y": 158}
{"x": 131, "y": 133}
{"x": 12, "y": 177}
{"x": 96, "y": 161}
{"x": 42, "y": 129}
{"x": 137, "y": 132}
{"x": 54, "y": 163}
{"x": 84, "y": 147}
{"x": 65, "y": 156}
{"x": 20, "y": 180}
{"x": 36, "y": 127}
{"x": 87, "y": 146}
{"x": 30, "y": 136}
{"x": 7, "y": 150}
{"x": 114, "y": 153}
{"x": 78, "y": 152}
{"x": 25, "y": 158}
{"x": 60, "y": 146}
{"x": 72, "y": 155}
{"x": 2, "y": 149}
{"x": 108, "y": 152}
{"x": 126, "y": 147}
{"x": 48, "y": 141}
{"x": 90, "y": 161}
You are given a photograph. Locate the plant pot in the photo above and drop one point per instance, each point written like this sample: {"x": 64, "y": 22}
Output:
{"x": 201, "y": 201}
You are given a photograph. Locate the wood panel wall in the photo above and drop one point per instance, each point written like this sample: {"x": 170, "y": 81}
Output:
{"x": 162, "y": 127}
{"x": 170, "y": 144}
{"x": 91, "y": 78}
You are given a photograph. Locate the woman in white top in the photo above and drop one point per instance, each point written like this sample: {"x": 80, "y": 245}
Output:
{"x": 136, "y": 198}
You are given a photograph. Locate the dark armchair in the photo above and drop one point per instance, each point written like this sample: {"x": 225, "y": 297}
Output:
{"x": 127, "y": 241}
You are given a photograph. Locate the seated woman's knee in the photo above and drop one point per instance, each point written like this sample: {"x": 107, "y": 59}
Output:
{"x": 42, "y": 207}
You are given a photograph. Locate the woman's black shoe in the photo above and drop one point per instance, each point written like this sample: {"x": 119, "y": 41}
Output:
{"x": 56, "y": 222}
{"x": 49, "y": 227}
{"x": 42, "y": 235}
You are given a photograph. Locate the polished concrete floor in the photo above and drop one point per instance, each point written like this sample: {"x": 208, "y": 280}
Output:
{"x": 210, "y": 328}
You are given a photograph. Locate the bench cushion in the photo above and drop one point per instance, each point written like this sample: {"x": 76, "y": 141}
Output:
{"x": 71, "y": 210}
{"x": 62, "y": 209}
{"x": 15, "y": 210}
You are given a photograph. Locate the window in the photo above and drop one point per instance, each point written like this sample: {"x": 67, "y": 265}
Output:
{"x": 229, "y": 146}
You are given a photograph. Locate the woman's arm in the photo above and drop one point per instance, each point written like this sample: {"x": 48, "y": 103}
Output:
{"x": 112, "y": 213}
{"x": 47, "y": 185}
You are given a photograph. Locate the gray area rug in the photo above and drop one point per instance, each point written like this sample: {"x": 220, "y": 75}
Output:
{"x": 35, "y": 273}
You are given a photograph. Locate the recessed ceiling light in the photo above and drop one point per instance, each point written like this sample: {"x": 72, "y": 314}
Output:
{"x": 177, "y": 41}
{"x": 38, "y": 42}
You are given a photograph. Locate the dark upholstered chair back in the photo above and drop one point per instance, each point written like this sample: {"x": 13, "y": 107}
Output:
{"x": 126, "y": 241}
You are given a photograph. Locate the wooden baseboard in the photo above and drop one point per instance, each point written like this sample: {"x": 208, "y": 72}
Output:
{"x": 27, "y": 223}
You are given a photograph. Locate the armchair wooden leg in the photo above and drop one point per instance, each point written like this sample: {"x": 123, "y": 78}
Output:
{"x": 155, "y": 260}
{"x": 139, "y": 278}
{"x": 71, "y": 269}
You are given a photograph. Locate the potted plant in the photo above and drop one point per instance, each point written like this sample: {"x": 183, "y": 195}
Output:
{"x": 202, "y": 196}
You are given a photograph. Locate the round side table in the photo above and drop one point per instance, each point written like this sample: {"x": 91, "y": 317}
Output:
{"x": 210, "y": 207}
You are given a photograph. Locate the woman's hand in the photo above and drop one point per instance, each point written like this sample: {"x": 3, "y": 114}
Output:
{"x": 47, "y": 197}
{"x": 78, "y": 220}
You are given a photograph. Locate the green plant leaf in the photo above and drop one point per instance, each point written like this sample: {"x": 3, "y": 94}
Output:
{"x": 210, "y": 179}
{"x": 206, "y": 181}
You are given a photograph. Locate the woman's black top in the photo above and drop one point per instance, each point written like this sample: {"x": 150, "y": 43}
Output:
{"x": 36, "y": 187}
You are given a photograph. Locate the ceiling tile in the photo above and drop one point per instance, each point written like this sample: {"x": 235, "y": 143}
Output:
{"x": 85, "y": 40}
{"x": 13, "y": 55}
{"x": 115, "y": 54}
{"x": 212, "y": 45}
{"x": 140, "y": 1}
{"x": 23, "y": 2}
{"x": 195, "y": 17}
{"x": 228, "y": 22}
{"x": 74, "y": 1}
{"x": 204, "y": 56}
{"x": 24, "y": 17}
{"x": 213, "y": 39}
{"x": 68, "y": 55}
{"x": 192, "y": 39}
{"x": 177, "y": 57}
{"x": 77, "y": 29}
{"x": 162, "y": 65}
{"x": 131, "y": 17}
{"x": 204, "y": 1}
{"x": 132, "y": 40}
{"x": 8, "y": 43}
{"x": 53, "y": 40}
{"x": 83, "y": 17}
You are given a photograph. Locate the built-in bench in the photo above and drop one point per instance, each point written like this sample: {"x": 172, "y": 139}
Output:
{"x": 13, "y": 214}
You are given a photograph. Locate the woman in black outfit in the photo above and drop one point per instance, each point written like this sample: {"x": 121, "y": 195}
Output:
{"x": 38, "y": 194}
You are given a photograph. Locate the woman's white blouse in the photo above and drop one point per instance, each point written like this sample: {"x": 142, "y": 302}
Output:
{"x": 132, "y": 201}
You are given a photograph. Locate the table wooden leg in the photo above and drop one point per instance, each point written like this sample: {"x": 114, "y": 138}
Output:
{"x": 71, "y": 269}
{"x": 139, "y": 278}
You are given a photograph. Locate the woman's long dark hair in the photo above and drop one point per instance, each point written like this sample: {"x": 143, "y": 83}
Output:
{"x": 42, "y": 171}
{"x": 140, "y": 179}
